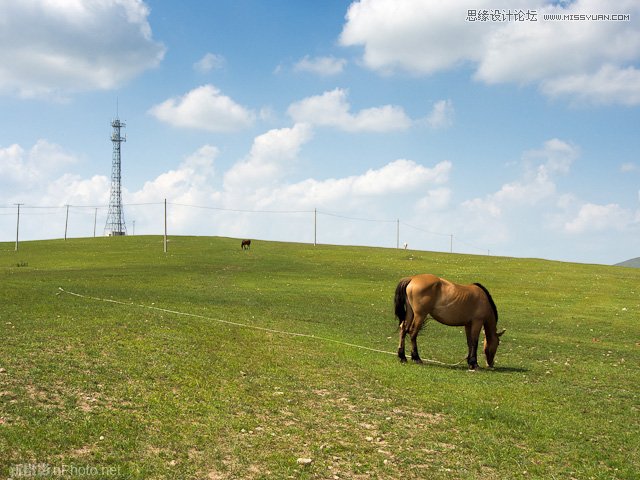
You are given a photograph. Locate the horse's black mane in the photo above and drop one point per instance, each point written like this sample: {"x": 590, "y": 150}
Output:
{"x": 491, "y": 302}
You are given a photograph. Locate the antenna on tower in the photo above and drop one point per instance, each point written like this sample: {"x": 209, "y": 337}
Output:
{"x": 115, "y": 225}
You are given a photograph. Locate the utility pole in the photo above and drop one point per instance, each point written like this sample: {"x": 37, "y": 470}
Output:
{"x": 66, "y": 224}
{"x": 95, "y": 221}
{"x": 165, "y": 225}
{"x": 18, "y": 226}
{"x": 398, "y": 234}
{"x": 315, "y": 227}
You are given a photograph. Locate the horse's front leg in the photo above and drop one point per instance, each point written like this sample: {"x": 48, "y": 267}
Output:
{"x": 473, "y": 334}
{"x": 403, "y": 333}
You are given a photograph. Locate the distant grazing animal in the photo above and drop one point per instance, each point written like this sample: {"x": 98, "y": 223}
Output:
{"x": 405, "y": 245}
{"x": 246, "y": 244}
{"x": 470, "y": 306}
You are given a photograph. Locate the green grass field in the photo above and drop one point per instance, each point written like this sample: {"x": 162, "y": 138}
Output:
{"x": 97, "y": 389}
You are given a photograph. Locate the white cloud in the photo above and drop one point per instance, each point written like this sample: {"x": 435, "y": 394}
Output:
{"x": 332, "y": 109}
{"x": 209, "y": 62}
{"x": 34, "y": 166}
{"x": 369, "y": 191}
{"x": 260, "y": 181}
{"x": 531, "y": 209}
{"x": 593, "y": 218}
{"x": 436, "y": 199}
{"x": 323, "y": 66}
{"x": 416, "y": 36}
{"x": 268, "y": 160}
{"x": 441, "y": 115}
{"x": 537, "y": 183}
{"x": 191, "y": 183}
{"x": 400, "y": 176}
{"x": 72, "y": 189}
{"x": 204, "y": 108}
{"x": 528, "y": 208}
{"x": 629, "y": 167}
{"x": 42, "y": 167}
{"x": 589, "y": 61}
{"x": 50, "y": 49}
{"x": 608, "y": 85}
{"x": 556, "y": 156}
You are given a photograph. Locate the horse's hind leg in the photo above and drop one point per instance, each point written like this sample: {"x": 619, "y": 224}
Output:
{"x": 403, "y": 333}
{"x": 416, "y": 326}
{"x": 405, "y": 326}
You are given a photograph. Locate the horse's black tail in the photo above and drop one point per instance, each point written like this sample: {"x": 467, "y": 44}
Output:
{"x": 400, "y": 301}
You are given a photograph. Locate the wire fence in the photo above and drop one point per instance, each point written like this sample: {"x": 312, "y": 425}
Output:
{"x": 23, "y": 222}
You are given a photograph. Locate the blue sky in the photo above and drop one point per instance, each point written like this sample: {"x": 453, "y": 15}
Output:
{"x": 517, "y": 138}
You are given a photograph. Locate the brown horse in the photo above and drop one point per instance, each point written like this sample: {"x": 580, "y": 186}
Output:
{"x": 470, "y": 306}
{"x": 246, "y": 244}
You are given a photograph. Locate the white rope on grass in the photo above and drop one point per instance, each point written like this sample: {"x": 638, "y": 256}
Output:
{"x": 238, "y": 324}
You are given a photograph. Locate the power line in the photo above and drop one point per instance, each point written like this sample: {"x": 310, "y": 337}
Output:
{"x": 237, "y": 210}
{"x": 373, "y": 220}
{"x": 426, "y": 231}
{"x": 39, "y": 210}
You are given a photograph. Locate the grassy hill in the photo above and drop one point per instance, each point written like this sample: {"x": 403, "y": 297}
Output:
{"x": 142, "y": 378}
{"x": 634, "y": 263}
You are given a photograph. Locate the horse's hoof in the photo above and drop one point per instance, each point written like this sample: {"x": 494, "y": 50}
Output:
{"x": 417, "y": 361}
{"x": 402, "y": 359}
{"x": 473, "y": 368}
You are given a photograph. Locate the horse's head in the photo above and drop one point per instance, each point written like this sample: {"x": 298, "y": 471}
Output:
{"x": 491, "y": 347}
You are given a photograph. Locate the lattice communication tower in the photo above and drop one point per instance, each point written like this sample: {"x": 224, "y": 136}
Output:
{"x": 115, "y": 218}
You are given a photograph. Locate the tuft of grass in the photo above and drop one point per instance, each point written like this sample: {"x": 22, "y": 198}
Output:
{"x": 146, "y": 393}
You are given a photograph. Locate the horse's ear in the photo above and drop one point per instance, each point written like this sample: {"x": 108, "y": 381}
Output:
{"x": 500, "y": 333}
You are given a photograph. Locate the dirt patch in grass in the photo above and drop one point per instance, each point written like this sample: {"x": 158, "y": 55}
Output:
{"x": 345, "y": 433}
